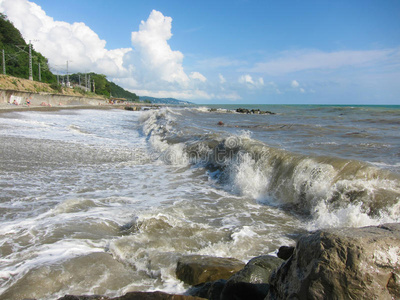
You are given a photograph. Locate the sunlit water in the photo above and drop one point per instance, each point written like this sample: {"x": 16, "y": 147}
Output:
{"x": 106, "y": 201}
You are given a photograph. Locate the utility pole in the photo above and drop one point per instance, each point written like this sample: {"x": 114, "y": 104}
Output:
{"x": 67, "y": 75}
{"x": 79, "y": 79}
{"x": 4, "y": 63}
{"x": 88, "y": 84}
{"x": 40, "y": 75}
{"x": 94, "y": 87}
{"x": 30, "y": 61}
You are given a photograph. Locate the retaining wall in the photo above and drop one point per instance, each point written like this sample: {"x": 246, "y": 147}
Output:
{"x": 8, "y": 96}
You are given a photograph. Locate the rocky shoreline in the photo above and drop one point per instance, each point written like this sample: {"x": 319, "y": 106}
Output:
{"x": 339, "y": 263}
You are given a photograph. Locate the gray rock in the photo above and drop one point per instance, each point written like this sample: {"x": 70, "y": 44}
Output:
{"x": 342, "y": 263}
{"x": 252, "y": 281}
{"x": 257, "y": 270}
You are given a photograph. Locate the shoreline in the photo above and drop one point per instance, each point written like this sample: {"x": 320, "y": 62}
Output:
{"x": 8, "y": 107}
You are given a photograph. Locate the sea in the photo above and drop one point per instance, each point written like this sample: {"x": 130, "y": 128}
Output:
{"x": 106, "y": 201}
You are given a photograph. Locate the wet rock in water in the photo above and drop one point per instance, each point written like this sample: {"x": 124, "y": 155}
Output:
{"x": 135, "y": 296}
{"x": 132, "y": 108}
{"x": 196, "y": 269}
{"x": 342, "y": 263}
{"x": 254, "y": 111}
{"x": 209, "y": 290}
{"x": 285, "y": 252}
{"x": 257, "y": 270}
{"x": 251, "y": 282}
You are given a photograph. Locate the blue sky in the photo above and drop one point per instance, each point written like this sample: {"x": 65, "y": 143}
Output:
{"x": 238, "y": 51}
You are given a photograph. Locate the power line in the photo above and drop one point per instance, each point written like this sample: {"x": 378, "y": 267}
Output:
{"x": 30, "y": 61}
{"x": 4, "y": 63}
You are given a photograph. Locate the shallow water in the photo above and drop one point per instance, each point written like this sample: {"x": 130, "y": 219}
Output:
{"x": 105, "y": 202}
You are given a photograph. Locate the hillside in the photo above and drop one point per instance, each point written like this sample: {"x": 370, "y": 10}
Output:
{"x": 17, "y": 54}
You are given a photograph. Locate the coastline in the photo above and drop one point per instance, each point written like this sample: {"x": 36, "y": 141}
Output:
{"x": 4, "y": 108}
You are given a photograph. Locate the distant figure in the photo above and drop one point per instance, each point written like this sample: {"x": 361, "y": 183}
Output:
{"x": 220, "y": 123}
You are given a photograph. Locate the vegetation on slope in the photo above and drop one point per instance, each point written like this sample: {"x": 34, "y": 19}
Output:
{"x": 16, "y": 52}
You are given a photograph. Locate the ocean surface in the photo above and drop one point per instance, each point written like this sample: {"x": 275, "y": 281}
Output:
{"x": 106, "y": 201}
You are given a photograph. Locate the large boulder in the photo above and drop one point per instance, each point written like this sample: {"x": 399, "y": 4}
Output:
{"x": 342, "y": 263}
{"x": 197, "y": 269}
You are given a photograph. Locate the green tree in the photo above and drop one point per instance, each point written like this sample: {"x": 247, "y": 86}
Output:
{"x": 17, "y": 57}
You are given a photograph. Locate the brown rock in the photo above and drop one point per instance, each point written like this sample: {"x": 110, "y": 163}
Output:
{"x": 196, "y": 269}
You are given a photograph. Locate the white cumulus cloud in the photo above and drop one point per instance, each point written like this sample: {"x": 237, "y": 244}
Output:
{"x": 153, "y": 57}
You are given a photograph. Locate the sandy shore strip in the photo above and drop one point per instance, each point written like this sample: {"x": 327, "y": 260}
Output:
{"x": 8, "y": 107}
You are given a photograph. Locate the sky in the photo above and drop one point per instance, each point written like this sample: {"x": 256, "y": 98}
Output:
{"x": 233, "y": 52}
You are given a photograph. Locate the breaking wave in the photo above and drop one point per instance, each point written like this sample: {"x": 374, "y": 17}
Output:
{"x": 327, "y": 191}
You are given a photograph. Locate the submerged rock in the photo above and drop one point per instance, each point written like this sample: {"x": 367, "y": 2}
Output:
{"x": 132, "y": 108}
{"x": 196, "y": 269}
{"x": 342, "y": 263}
